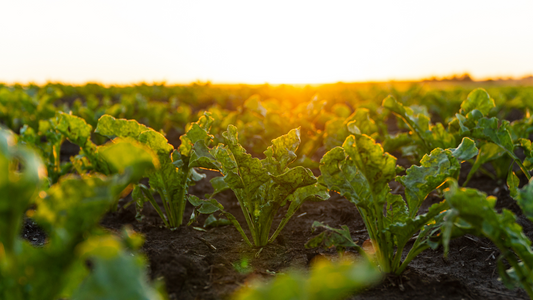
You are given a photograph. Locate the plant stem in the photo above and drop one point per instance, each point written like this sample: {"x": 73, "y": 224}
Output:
{"x": 290, "y": 212}
{"x": 148, "y": 194}
{"x": 412, "y": 254}
{"x": 240, "y": 198}
{"x": 179, "y": 208}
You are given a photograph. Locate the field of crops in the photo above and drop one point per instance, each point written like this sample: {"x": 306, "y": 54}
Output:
{"x": 360, "y": 191}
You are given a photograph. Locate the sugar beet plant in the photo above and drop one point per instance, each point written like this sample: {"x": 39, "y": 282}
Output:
{"x": 361, "y": 171}
{"x": 262, "y": 186}
{"x": 497, "y": 140}
{"x": 473, "y": 212}
{"x": 171, "y": 181}
{"x": 69, "y": 212}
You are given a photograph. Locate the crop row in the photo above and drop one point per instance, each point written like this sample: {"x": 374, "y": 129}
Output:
{"x": 350, "y": 149}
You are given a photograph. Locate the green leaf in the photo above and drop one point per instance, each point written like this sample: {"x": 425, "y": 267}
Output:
{"x": 528, "y": 151}
{"x": 119, "y": 277}
{"x": 75, "y": 130}
{"x": 282, "y": 151}
{"x": 339, "y": 238}
{"x": 110, "y": 127}
{"x": 213, "y": 221}
{"x": 156, "y": 141}
{"x": 396, "y": 210}
{"x": 488, "y": 129}
{"x": 241, "y": 170}
{"x": 87, "y": 198}
{"x": 512, "y": 184}
{"x": 139, "y": 198}
{"x": 337, "y": 130}
{"x": 219, "y": 185}
{"x": 327, "y": 280}
{"x": 314, "y": 192}
{"x": 293, "y": 179}
{"x": 487, "y": 152}
{"x": 125, "y": 154}
{"x": 395, "y": 142}
{"x": 432, "y": 136}
{"x": 477, "y": 210}
{"x": 466, "y": 150}
{"x": 201, "y": 157}
{"x": 406, "y": 227}
{"x": 524, "y": 198}
{"x": 359, "y": 170}
{"x": 21, "y": 176}
{"x": 478, "y": 99}
{"x": 432, "y": 173}
{"x": 195, "y": 201}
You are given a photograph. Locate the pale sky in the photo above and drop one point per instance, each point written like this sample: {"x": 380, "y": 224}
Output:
{"x": 224, "y": 41}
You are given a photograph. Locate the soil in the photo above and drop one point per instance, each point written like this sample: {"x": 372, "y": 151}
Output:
{"x": 208, "y": 265}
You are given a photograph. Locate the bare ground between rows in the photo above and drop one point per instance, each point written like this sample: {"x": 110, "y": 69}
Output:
{"x": 204, "y": 265}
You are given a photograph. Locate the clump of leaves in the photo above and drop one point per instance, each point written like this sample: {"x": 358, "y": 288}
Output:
{"x": 361, "y": 171}
{"x": 176, "y": 173}
{"x": 427, "y": 135}
{"x": 47, "y": 142}
{"x": 69, "y": 212}
{"x": 78, "y": 132}
{"x": 262, "y": 186}
{"x": 473, "y": 212}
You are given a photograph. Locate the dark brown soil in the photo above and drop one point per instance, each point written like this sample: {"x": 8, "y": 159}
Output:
{"x": 208, "y": 265}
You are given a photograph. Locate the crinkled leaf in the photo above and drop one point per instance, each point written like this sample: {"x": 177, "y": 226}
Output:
{"x": 293, "y": 179}
{"x": 314, "y": 192}
{"x": 404, "y": 229}
{"x": 201, "y": 157}
{"x": 249, "y": 171}
{"x": 396, "y": 210}
{"x": 432, "y": 173}
{"x": 110, "y": 127}
{"x": 75, "y": 129}
{"x": 156, "y": 141}
{"x": 282, "y": 152}
{"x": 359, "y": 171}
